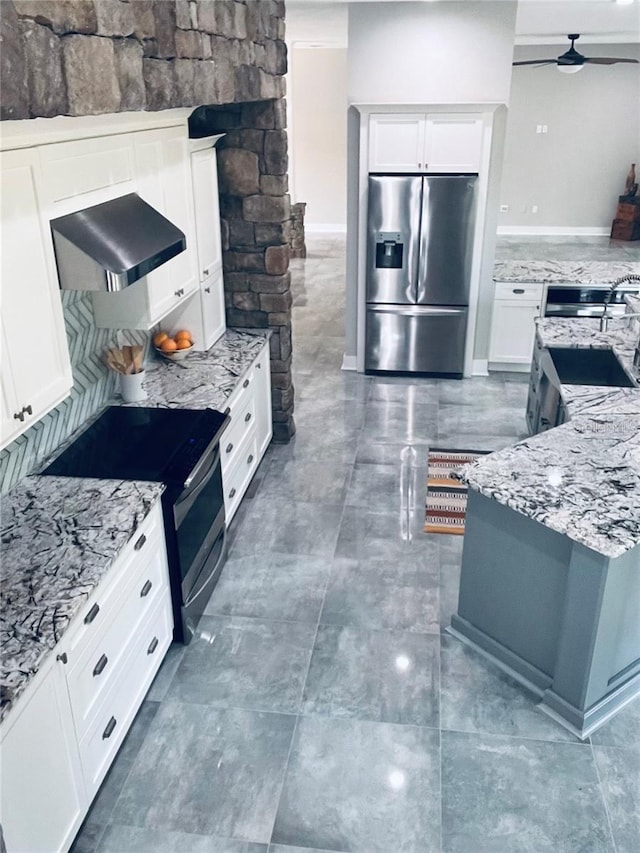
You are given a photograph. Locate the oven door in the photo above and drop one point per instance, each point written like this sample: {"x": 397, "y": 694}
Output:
{"x": 200, "y": 536}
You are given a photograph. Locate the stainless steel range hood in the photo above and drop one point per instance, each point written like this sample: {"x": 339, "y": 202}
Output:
{"x": 109, "y": 246}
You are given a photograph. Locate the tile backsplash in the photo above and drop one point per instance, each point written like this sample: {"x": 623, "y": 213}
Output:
{"x": 93, "y": 385}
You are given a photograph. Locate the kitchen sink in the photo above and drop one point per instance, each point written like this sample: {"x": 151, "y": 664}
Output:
{"x": 577, "y": 366}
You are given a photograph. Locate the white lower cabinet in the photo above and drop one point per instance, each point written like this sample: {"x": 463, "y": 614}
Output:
{"x": 248, "y": 435}
{"x": 60, "y": 740}
{"x": 513, "y": 327}
{"x": 42, "y": 795}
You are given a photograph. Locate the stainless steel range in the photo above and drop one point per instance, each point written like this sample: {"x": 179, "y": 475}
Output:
{"x": 180, "y": 448}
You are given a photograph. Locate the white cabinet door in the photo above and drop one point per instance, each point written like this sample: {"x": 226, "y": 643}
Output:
{"x": 513, "y": 331}
{"x": 396, "y": 143}
{"x": 262, "y": 391}
{"x": 163, "y": 179}
{"x": 204, "y": 170}
{"x": 203, "y": 314}
{"x": 36, "y": 370}
{"x": 453, "y": 143}
{"x": 42, "y": 795}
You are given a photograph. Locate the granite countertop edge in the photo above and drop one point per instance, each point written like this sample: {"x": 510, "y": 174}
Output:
{"x": 557, "y": 272}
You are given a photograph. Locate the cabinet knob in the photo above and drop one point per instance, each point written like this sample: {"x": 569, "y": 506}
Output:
{"x": 146, "y": 589}
{"x": 140, "y": 543}
{"x": 153, "y": 645}
{"x": 62, "y": 658}
{"x": 205, "y": 272}
{"x": 179, "y": 292}
{"x": 229, "y": 448}
{"x": 245, "y": 384}
{"x": 207, "y": 290}
{"x": 247, "y": 417}
{"x": 109, "y": 728}
{"x": 259, "y": 365}
{"x": 99, "y": 667}
{"x": 91, "y": 615}
{"x": 232, "y": 493}
{"x": 28, "y": 409}
{"x": 250, "y": 459}
{"x": 18, "y": 416}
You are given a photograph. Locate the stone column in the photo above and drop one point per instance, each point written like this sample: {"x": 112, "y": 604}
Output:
{"x": 255, "y": 213}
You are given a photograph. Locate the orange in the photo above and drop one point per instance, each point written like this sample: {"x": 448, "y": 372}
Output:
{"x": 159, "y": 337}
{"x": 183, "y": 334}
{"x": 169, "y": 345}
{"x": 183, "y": 343}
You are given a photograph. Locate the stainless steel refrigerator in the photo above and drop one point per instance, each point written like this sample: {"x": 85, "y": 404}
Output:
{"x": 419, "y": 251}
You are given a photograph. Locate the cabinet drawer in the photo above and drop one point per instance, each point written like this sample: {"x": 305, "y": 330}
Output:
{"x": 103, "y": 605}
{"x": 243, "y": 418}
{"x": 98, "y": 665}
{"x": 123, "y": 699}
{"x": 236, "y": 480}
{"x": 513, "y": 290}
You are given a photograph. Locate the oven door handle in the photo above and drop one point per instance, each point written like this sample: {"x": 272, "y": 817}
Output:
{"x": 199, "y": 587}
{"x": 199, "y": 478}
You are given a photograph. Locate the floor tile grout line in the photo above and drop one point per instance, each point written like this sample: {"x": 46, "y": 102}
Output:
{"x": 603, "y": 796}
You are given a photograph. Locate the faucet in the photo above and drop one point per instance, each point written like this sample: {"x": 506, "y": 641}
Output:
{"x": 604, "y": 319}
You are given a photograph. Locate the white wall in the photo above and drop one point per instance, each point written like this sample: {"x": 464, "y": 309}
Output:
{"x": 318, "y": 95}
{"x": 575, "y": 172}
{"x": 431, "y": 55}
{"x": 430, "y": 52}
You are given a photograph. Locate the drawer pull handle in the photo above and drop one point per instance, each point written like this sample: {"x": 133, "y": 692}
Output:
{"x": 18, "y": 416}
{"x": 227, "y": 410}
{"x": 140, "y": 543}
{"x": 247, "y": 417}
{"x": 250, "y": 459}
{"x": 62, "y": 658}
{"x": 28, "y": 409}
{"x": 245, "y": 384}
{"x": 232, "y": 493}
{"x": 99, "y": 667}
{"x": 109, "y": 728}
{"x": 229, "y": 448}
{"x": 91, "y": 615}
{"x": 518, "y": 289}
{"x": 146, "y": 589}
{"x": 153, "y": 645}
{"x": 259, "y": 366}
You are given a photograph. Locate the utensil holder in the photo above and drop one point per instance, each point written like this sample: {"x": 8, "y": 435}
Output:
{"x": 132, "y": 387}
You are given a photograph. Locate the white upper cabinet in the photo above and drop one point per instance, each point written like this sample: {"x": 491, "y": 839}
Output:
{"x": 422, "y": 142}
{"x": 35, "y": 367}
{"x": 204, "y": 172}
{"x": 163, "y": 179}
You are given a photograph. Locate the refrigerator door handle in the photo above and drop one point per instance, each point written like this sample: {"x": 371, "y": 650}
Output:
{"x": 415, "y": 310}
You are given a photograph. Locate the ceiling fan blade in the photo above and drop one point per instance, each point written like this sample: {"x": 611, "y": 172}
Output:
{"x": 535, "y": 62}
{"x": 607, "y": 60}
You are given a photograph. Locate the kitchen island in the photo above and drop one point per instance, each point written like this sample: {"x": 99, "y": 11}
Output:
{"x": 550, "y": 584}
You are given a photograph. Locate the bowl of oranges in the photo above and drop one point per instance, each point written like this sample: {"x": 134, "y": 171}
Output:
{"x": 173, "y": 347}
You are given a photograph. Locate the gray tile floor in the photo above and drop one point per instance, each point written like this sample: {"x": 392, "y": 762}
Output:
{"x": 321, "y": 708}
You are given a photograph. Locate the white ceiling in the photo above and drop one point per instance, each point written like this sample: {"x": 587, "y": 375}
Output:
{"x": 324, "y": 22}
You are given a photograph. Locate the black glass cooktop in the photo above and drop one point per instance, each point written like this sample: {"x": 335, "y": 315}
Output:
{"x": 135, "y": 443}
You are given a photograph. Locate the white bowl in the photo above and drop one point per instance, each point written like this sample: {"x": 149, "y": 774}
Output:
{"x": 177, "y": 355}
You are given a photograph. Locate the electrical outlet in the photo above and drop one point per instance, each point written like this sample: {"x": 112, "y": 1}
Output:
{"x": 545, "y": 128}
{"x": 534, "y": 208}
{"x": 504, "y": 208}
{"x": 538, "y": 128}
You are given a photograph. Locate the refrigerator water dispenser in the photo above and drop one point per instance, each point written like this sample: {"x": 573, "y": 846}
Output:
{"x": 389, "y": 250}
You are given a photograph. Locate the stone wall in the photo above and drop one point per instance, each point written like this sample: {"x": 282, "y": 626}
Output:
{"x": 225, "y": 57}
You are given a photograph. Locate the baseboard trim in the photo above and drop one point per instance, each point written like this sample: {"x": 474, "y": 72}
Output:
{"x": 325, "y": 228}
{"x": 552, "y": 231}
{"x": 509, "y": 367}
{"x": 480, "y": 367}
{"x": 349, "y": 362}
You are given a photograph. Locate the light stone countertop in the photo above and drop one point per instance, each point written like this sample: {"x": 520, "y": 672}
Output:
{"x": 581, "y": 479}
{"x": 60, "y": 535}
{"x": 556, "y": 272}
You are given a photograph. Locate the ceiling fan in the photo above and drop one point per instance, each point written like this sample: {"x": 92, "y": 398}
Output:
{"x": 572, "y": 61}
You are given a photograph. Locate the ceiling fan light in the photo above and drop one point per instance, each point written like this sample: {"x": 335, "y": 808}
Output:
{"x": 569, "y": 69}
